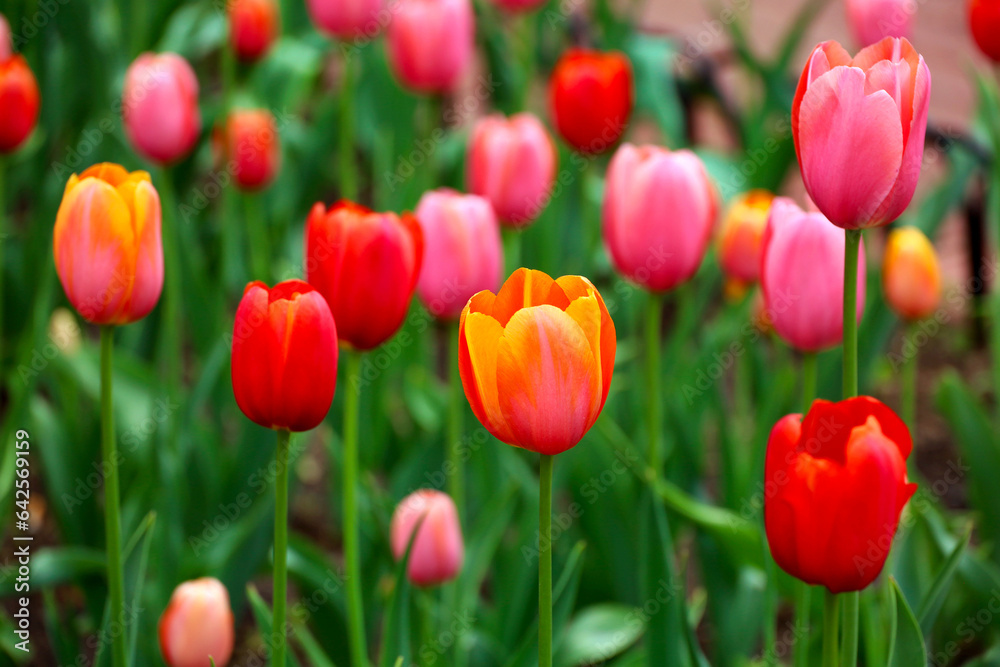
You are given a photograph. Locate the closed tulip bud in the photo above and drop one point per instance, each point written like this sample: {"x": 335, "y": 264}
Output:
{"x": 347, "y": 19}
{"x": 284, "y": 366}
{"x": 253, "y": 27}
{"x": 19, "y": 98}
{"x": 462, "y": 250}
{"x": 512, "y": 162}
{"x": 873, "y": 20}
{"x": 107, "y": 246}
{"x": 911, "y": 277}
{"x": 430, "y": 43}
{"x": 252, "y": 147}
{"x": 160, "y": 107}
{"x": 366, "y": 264}
{"x": 536, "y": 359}
{"x": 859, "y": 125}
{"x": 984, "y": 20}
{"x": 802, "y": 277}
{"x": 839, "y": 481}
{"x": 590, "y": 97}
{"x": 742, "y": 235}
{"x": 659, "y": 208}
{"x": 438, "y": 551}
{"x": 197, "y": 625}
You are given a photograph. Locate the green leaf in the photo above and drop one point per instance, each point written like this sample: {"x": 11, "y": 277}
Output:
{"x": 262, "y": 615}
{"x": 906, "y": 646}
{"x": 931, "y": 604}
{"x": 599, "y": 633}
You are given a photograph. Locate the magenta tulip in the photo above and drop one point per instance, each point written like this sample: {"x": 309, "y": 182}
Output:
{"x": 512, "y": 162}
{"x": 859, "y": 126}
{"x": 802, "y": 277}
{"x": 160, "y": 107}
{"x": 347, "y": 19}
{"x": 438, "y": 551}
{"x": 873, "y": 20}
{"x": 659, "y": 208}
{"x": 462, "y": 250}
{"x": 430, "y": 43}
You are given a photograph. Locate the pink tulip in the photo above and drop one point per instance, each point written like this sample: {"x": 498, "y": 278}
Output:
{"x": 462, "y": 250}
{"x": 512, "y": 162}
{"x": 802, "y": 277}
{"x": 873, "y": 20}
{"x": 430, "y": 43}
{"x": 347, "y": 19}
{"x": 438, "y": 551}
{"x": 659, "y": 208}
{"x": 5, "y": 39}
{"x": 859, "y": 130}
{"x": 197, "y": 624}
{"x": 160, "y": 106}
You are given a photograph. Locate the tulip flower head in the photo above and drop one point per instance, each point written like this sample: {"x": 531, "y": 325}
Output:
{"x": 197, "y": 625}
{"x": 590, "y": 98}
{"x": 107, "y": 246}
{"x": 366, "y": 265}
{"x": 347, "y": 19}
{"x": 659, "y": 209}
{"x": 984, "y": 21}
{"x": 802, "y": 277}
{"x": 430, "y": 43}
{"x": 911, "y": 277}
{"x": 19, "y": 99}
{"x": 839, "y": 480}
{"x": 252, "y": 147}
{"x": 536, "y": 359}
{"x": 859, "y": 125}
{"x": 284, "y": 365}
{"x": 873, "y": 20}
{"x": 463, "y": 253}
{"x": 253, "y": 27}
{"x": 438, "y": 550}
{"x": 512, "y": 162}
{"x": 741, "y": 236}
{"x": 160, "y": 107}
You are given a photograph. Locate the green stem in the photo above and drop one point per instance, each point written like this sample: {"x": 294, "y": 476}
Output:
{"x": 831, "y": 622}
{"x": 803, "y": 595}
{"x": 456, "y": 475}
{"x": 511, "y": 248}
{"x": 526, "y": 35}
{"x": 278, "y": 626}
{"x": 851, "y": 247}
{"x": 231, "y": 251}
{"x": 259, "y": 243}
{"x": 348, "y": 169}
{"x": 654, "y": 420}
{"x": 429, "y": 112}
{"x": 908, "y": 382}
{"x": 170, "y": 352}
{"x": 849, "y": 652}
{"x": 355, "y": 603}
{"x": 770, "y": 609}
{"x": 3, "y": 247}
{"x": 545, "y": 561}
{"x": 808, "y": 380}
{"x": 112, "y": 511}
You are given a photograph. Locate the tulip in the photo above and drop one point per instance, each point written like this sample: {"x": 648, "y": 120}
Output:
{"x": 536, "y": 359}
{"x": 590, "y": 96}
{"x": 197, "y": 625}
{"x": 5, "y": 39}
{"x": 512, "y": 162}
{"x": 873, "y": 20}
{"x": 160, "y": 107}
{"x": 462, "y": 250}
{"x": 366, "y": 264}
{"x": 107, "y": 244}
{"x": 253, "y": 27}
{"x": 430, "y": 43}
{"x": 742, "y": 235}
{"x": 984, "y": 21}
{"x": 518, "y": 6}
{"x": 802, "y": 277}
{"x": 347, "y": 19}
{"x": 437, "y": 551}
{"x": 284, "y": 350}
{"x": 659, "y": 208}
{"x": 839, "y": 481}
{"x": 911, "y": 277}
{"x": 19, "y": 98}
{"x": 252, "y": 147}
{"x": 859, "y": 126}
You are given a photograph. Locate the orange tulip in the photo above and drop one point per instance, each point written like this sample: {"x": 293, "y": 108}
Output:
{"x": 107, "y": 244}
{"x": 741, "y": 237}
{"x": 536, "y": 359}
{"x": 911, "y": 277}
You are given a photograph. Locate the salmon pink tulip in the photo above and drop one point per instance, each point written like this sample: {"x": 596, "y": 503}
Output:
{"x": 197, "y": 625}
{"x": 252, "y": 147}
{"x": 253, "y": 27}
{"x": 590, "y": 98}
{"x": 430, "y": 43}
{"x": 438, "y": 550}
{"x": 160, "y": 107}
{"x": 911, "y": 277}
{"x": 873, "y": 20}
{"x": 347, "y": 19}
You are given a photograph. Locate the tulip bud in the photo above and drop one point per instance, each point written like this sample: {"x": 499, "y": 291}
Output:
{"x": 430, "y": 43}
{"x": 19, "y": 98}
{"x": 108, "y": 251}
{"x": 438, "y": 551}
{"x": 252, "y": 147}
{"x": 366, "y": 264}
{"x": 802, "y": 277}
{"x": 197, "y": 625}
{"x": 284, "y": 366}
{"x": 253, "y": 26}
{"x": 984, "y": 21}
{"x": 512, "y": 162}
{"x": 873, "y": 20}
{"x": 536, "y": 359}
{"x": 911, "y": 277}
{"x": 742, "y": 235}
{"x": 659, "y": 208}
{"x": 347, "y": 19}
{"x": 462, "y": 250}
{"x": 590, "y": 96}
{"x": 859, "y": 125}
{"x": 160, "y": 107}
{"x": 839, "y": 486}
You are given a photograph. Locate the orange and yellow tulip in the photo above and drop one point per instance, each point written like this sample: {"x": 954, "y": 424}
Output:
{"x": 911, "y": 277}
{"x": 536, "y": 359}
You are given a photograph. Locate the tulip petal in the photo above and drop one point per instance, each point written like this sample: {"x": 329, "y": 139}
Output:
{"x": 148, "y": 282}
{"x": 254, "y": 356}
{"x": 578, "y": 287}
{"x": 526, "y": 288}
{"x": 479, "y": 341}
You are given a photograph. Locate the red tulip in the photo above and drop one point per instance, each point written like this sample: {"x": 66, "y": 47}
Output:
{"x": 347, "y": 19}
{"x": 835, "y": 487}
{"x": 197, "y": 625}
{"x": 984, "y": 21}
{"x": 438, "y": 551}
{"x": 19, "y": 98}
{"x": 252, "y": 147}
{"x": 590, "y": 96}
{"x": 430, "y": 43}
{"x": 366, "y": 264}
{"x": 253, "y": 27}
{"x": 284, "y": 365}
{"x": 160, "y": 107}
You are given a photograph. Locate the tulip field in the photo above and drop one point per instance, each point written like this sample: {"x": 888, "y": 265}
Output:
{"x": 499, "y": 333}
